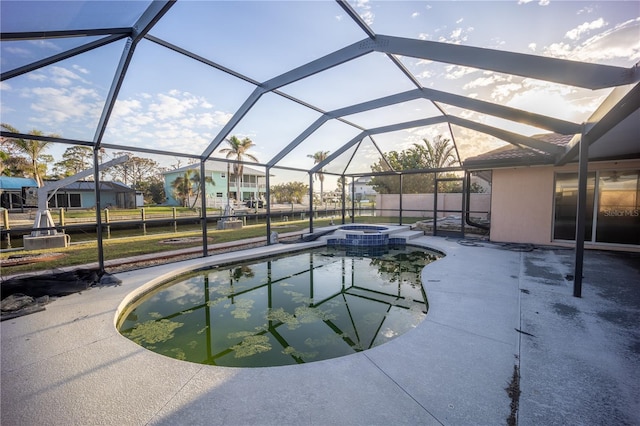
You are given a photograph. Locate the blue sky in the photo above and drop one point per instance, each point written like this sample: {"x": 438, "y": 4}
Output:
{"x": 173, "y": 103}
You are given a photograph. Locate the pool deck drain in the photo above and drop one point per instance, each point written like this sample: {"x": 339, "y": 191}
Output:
{"x": 68, "y": 365}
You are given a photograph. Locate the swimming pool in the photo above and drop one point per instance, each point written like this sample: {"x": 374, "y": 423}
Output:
{"x": 298, "y": 308}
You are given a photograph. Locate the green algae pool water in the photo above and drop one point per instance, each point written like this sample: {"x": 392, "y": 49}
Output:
{"x": 298, "y": 308}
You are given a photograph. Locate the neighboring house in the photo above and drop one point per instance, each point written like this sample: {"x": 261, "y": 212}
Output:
{"x": 361, "y": 188}
{"x": 534, "y": 201}
{"x": 81, "y": 194}
{"x": 252, "y": 185}
{"x": 14, "y": 192}
{"x": 17, "y": 193}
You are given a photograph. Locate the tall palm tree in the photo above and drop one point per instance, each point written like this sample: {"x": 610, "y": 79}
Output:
{"x": 197, "y": 182}
{"x": 438, "y": 153}
{"x": 183, "y": 187}
{"x": 238, "y": 149}
{"x": 32, "y": 148}
{"x": 319, "y": 157}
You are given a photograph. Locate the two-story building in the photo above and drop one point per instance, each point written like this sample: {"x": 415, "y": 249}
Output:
{"x": 223, "y": 185}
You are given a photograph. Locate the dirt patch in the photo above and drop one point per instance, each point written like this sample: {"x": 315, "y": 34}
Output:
{"x": 183, "y": 240}
{"x": 25, "y": 259}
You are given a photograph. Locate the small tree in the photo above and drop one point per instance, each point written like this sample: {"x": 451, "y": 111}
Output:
{"x": 238, "y": 149}
{"x": 434, "y": 154}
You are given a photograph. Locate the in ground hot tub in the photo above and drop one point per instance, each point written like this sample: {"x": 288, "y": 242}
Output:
{"x": 355, "y": 235}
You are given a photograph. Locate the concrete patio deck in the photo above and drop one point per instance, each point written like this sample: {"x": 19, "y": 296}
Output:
{"x": 490, "y": 309}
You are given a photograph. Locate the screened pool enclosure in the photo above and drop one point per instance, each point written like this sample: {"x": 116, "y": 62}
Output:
{"x": 329, "y": 93}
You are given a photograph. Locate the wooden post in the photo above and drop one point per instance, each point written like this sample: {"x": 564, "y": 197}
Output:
{"x": 7, "y": 226}
{"x": 175, "y": 221}
{"x": 106, "y": 221}
{"x": 144, "y": 224}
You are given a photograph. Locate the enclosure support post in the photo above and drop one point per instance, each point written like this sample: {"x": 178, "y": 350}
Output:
{"x": 203, "y": 204}
{"x": 344, "y": 199}
{"x": 310, "y": 202}
{"x": 581, "y": 215}
{"x": 267, "y": 195}
{"x": 96, "y": 180}
{"x": 435, "y": 204}
{"x": 401, "y": 182}
{"x": 353, "y": 200}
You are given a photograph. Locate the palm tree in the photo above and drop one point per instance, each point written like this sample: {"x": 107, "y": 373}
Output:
{"x": 32, "y": 148}
{"x": 184, "y": 187}
{"x": 438, "y": 153}
{"x": 238, "y": 150}
{"x": 319, "y": 157}
{"x": 197, "y": 182}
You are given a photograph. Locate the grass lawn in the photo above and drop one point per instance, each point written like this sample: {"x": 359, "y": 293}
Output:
{"x": 125, "y": 247}
{"x": 122, "y": 245}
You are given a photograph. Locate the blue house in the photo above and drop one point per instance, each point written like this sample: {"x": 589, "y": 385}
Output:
{"x": 252, "y": 184}
{"x": 15, "y": 192}
{"x": 18, "y": 193}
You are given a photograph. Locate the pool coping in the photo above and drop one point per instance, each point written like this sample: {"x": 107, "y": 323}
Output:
{"x": 71, "y": 363}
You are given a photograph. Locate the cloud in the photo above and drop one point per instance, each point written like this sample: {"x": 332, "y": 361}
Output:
{"x": 454, "y": 72}
{"x": 532, "y": 46}
{"x": 35, "y": 76}
{"x": 44, "y": 44}
{"x": 541, "y": 2}
{"x": 457, "y": 36}
{"x": 620, "y": 43}
{"x": 490, "y": 80}
{"x": 57, "y": 105}
{"x": 415, "y": 14}
{"x": 174, "y": 120}
{"x": 576, "y": 33}
{"x": 171, "y": 107}
{"x": 364, "y": 10}
{"x": 18, "y": 51}
{"x": 80, "y": 69}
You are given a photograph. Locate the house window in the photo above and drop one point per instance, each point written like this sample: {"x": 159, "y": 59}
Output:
{"x": 618, "y": 215}
{"x": 65, "y": 199}
{"x": 566, "y": 204}
{"x": 218, "y": 194}
{"x": 613, "y": 207}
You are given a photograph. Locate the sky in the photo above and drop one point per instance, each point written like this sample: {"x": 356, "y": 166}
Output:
{"x": 173, "y": 103}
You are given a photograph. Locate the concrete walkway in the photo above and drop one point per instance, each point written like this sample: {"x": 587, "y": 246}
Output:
{"x": 490, "y": 310}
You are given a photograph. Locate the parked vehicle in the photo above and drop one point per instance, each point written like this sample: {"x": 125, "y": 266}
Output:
{"x": 252, "y": 204}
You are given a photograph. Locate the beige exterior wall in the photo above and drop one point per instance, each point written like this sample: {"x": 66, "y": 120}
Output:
{"x": 522, "y": 205}
{"x": 522, "y": 202}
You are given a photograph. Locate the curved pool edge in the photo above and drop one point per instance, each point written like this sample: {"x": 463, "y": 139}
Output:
{"x": 77, "y": 366}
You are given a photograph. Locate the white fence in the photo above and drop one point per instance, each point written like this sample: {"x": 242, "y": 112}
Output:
{"x": 421, "y": 205}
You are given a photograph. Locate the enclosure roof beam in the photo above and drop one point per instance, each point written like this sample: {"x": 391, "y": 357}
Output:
{"x": 36, "y": 35}
{"x": 572, "y": 73}
{"x": 305, "y": 134}
{"x": 617, "y": 107}
{"x": 61, "y": 56}
{"x": 149, "y": 18}
{"x": 505, "y": 112}
{"x": 321, "y": 64}
{"x": 512, "y": 138}
{"x": 383, "y": 129}
{"x": 356, "y": 18}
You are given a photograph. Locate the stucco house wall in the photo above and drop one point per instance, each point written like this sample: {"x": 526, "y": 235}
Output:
{"x": 522, "y": 202}
{"x": 522, "y": 205}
